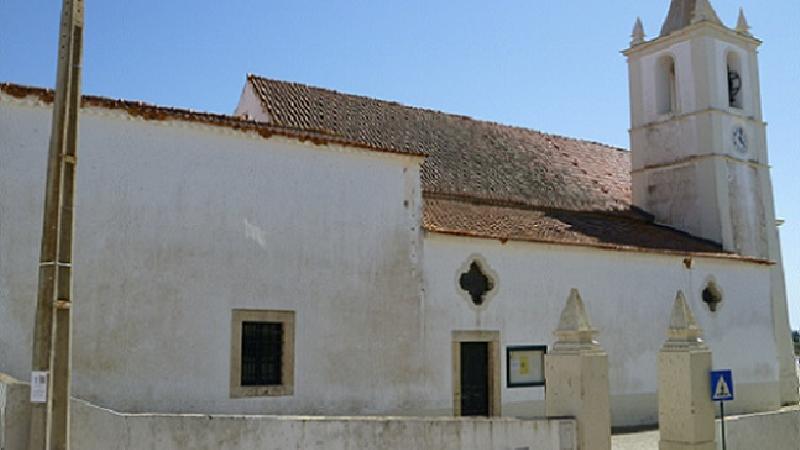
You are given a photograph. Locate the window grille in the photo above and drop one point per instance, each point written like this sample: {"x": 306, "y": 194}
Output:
{"x": 262, "y": 353}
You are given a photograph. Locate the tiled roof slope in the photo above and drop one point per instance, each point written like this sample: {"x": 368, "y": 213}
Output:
{"x": 466, "y": 156}
{"x": 616, "y": 231}
{"x": 484, "y": 179}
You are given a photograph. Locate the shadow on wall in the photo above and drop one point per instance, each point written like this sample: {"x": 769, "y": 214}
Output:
{"x": 631, "y": 227}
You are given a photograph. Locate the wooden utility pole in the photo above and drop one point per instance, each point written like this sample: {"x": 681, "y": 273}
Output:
{"x": 52, "y": 338}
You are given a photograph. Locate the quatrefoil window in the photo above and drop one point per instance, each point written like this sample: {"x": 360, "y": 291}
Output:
{"x": 712, "y": 296}
{"x": 476, "y": 282}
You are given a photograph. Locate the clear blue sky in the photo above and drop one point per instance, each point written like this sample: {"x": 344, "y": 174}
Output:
{"x": 549, "y": 65}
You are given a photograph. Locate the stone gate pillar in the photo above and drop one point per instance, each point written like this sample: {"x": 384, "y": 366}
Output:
{"x": 576, "y": 376}
{"x": 685, "y": 409}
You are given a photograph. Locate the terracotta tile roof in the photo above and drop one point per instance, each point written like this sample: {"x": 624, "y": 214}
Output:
{"x": 160, "y": 113}
{"x": 467, "y": 156}
{"x": 485, "y": 179}
{"x": 624, "y": 231}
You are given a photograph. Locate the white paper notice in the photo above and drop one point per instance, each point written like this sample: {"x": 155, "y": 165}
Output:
{"x": 38, "y": 387}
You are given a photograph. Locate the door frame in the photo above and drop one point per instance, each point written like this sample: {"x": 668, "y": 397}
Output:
{"x": 493, "y": 340}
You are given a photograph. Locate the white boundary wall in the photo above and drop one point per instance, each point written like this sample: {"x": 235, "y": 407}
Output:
{"x": 95, "y": 428}
{"x": 777, "y": 430}
{"x": 15, "y": 414}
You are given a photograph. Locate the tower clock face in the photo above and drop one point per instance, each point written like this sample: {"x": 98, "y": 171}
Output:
{"x": 739, "y": 140}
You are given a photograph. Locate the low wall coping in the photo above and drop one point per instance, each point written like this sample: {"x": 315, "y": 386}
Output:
{"x": 302, "y": 418}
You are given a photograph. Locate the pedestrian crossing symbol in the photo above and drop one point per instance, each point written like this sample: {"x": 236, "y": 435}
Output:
{"x": 721, "y": 385}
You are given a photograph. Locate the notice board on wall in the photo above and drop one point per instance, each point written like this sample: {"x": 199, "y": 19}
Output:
{"x": 525, "y": 365}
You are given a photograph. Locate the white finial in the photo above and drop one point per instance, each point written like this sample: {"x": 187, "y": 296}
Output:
{"x": 574, "y": 326}
{"x": 682, "y": 325}
{"x": 638, "y": 32}
{"x": 703, "y": 11}
{"x": 742, "y": 26}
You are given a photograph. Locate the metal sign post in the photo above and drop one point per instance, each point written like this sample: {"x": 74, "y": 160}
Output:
{"x": 52, "y": 335}
{"x": 722, "y": 424}
{"x": 722, "y": 391}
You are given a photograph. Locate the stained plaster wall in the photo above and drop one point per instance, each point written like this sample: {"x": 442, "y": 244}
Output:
{"x": 687, "y": 171}
{"x": 179, "y": 223}
{"x": 629, "y": 297}
{"x": 686, "y": 168}
{"x": 94, "y": 428}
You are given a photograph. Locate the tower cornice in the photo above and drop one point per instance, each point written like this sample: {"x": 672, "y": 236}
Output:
{"x": 737, "y": 114}
{"x": 690, "y": 160}
{"x": 705, "y": 28}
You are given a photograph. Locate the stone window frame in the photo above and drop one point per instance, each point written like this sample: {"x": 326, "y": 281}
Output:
{"x": 495, "y": 384}
{"x": 487, "y": 270}
{"x": 287, "y": 320}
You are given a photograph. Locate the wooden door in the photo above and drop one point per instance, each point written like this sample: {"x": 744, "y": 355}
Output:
{"x": 474, "y": 378}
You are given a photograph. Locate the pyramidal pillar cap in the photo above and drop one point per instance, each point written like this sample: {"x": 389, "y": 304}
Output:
{"x": 703, "y": 11}
{"x": 683, "y": 13}
{"x": 683, "y": 330}
{"x": 638, "y": 36}
{"x": 741, "y": 25}
{"x": 575, "y": 332}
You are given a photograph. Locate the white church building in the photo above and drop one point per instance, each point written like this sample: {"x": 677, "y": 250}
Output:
{"x": 320, "y": 253}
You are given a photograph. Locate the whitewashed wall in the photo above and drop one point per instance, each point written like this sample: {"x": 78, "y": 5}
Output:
{"x": 179, "y": 223}
{"x": 778, "y": 430}
{"x": 629, "y": 297}
{"x": 94, "y": 428}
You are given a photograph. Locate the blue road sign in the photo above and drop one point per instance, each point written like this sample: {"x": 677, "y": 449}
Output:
{"x": 721, "y": 385}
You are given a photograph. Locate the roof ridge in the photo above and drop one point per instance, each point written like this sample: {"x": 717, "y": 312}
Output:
{"x": 251, "y": 76}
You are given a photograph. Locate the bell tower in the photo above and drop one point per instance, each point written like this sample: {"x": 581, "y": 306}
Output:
{"x": 698, "y": 143}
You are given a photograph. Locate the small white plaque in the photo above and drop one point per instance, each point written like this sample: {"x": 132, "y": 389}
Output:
{"x": 39, "y": 387}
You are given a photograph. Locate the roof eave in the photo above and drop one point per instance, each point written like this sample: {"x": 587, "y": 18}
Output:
{"x": 152, "y": 112}
{"x": 599, "y": 246}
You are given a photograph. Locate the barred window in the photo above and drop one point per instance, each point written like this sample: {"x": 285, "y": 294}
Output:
{"x": 262, "y": 353}
{"x": 262, "y": 350}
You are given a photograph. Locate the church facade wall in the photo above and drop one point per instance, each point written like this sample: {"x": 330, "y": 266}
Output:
{"x": 628, "y": 297}
{"x": 179, "y": 224}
